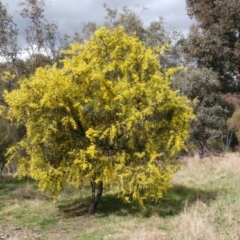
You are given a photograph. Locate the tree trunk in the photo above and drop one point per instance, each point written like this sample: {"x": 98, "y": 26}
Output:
{"x": 95, "y": 198}
{"x": 2, "y": 165}
{"x": 204, "y": 151}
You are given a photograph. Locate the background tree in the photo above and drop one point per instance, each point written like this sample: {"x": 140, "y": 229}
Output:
{"x": 5, "y": 141}
{"x": 9, "y": 48}
{"x": 209, "y": 129}
{"x": 9, "y": 51}
{"x": 42, "y": 36}
{"x": 8, "y": 36}
{"x": 108, "y": 117}
{"x": 233, "y": 122}
{"x": 214, "y": 41}
{"x": 42, "y": 45}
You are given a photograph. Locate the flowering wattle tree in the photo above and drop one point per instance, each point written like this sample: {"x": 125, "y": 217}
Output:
{"x": 108, "y": 116}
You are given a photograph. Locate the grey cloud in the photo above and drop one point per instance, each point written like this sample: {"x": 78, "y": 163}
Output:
{"x": 70, "y": 14}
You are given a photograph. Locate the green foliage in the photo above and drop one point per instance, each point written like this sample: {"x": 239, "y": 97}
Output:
{"x": 8, "y": 34}
{"x": 108, "y": 115}
{"x": 211, "y": 110}
{"x": 5, "y": 142}
{"x": 213, "y": 41}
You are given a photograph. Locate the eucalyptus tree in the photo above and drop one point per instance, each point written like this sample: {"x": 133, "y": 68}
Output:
{"x": 212, "y": 111}
{"x": 214, "y": 40}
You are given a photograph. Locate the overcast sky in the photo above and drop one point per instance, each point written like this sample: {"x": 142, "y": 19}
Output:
{"x": 69, "y": 14}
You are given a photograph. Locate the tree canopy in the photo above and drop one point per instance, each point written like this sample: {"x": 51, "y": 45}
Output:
{"x": 214, "y": 41}
{"x": 108, "y": 117}
{"x": 209, "y": 128}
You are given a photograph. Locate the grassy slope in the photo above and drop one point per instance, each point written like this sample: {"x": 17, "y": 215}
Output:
{"x": 203, "y": 204}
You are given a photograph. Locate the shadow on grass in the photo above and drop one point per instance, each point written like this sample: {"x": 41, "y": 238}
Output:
{"x": 170, "y": 205}
{"x": 9, "y": 184}
{"x": 26, "y": 188}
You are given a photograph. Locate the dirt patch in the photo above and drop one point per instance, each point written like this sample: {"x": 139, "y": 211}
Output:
{"x": 10, "y": 233}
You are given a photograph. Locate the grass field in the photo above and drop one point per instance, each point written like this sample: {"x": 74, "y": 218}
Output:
{"x": 204, "y": 203}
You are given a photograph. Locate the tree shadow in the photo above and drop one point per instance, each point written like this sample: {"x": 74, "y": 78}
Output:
{"x": 179, "y": 197}
{"x": 77, "y": 207}
{"x": 173, "y": 202}
{"x": 25, "y": 188}
{"x": 9, "y": 184}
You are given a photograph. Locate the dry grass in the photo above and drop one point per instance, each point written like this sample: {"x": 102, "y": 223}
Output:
{"x": 140, "y": 229}
{"x": 203, "y": 205}
{"x": 195, "y": 222}
{"x": 218, "y": 220}
{"x": 141, "y": 234}
{"x": 9, "y": 233}
{"x": 230, "y": 163}
{"x": 202, "y": 172}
